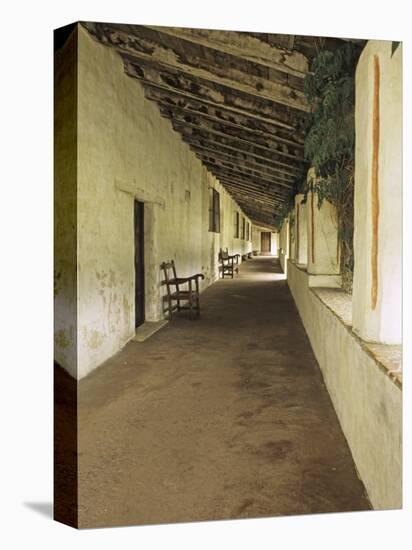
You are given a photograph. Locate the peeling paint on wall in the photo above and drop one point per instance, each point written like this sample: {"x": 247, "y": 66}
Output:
{"x": 61, "y": 339}
{"x": 127, "y": 150}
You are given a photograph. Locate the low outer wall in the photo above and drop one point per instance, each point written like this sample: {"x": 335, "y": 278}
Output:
{"x": 368, "y": 403}
{"x": 283, "y": 262}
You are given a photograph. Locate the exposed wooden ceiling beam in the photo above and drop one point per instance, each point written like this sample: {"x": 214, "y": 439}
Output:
{"x": 243, "y": 159}
{"x": 175, "y": 100}
{"x": 213, "y": 94}
{"x": 238, "y": 178}
{"x": 255, "y": 213}
{"x": 195, "y": 143}
{"x": 203, "y": 140}
{"x": 246, "y": 195}
{"x": 280, "y": 188}
{"x": 246, "y": 188}
{"x": 243, "y": 167}
{"x": 205, "y": 120}
{"x": 237, "y": 144}
{"x": 235, "y": 98}
{"x": 140, "y": 44}
{"x": 237, "y": 135}
{"x": 245, "y": 45}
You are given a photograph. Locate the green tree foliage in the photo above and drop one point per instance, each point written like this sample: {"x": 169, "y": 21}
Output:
{"x": 330, "y": 139}
{"x": 283, "y": 212}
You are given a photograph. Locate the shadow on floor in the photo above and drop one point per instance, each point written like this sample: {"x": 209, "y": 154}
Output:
{"x": 43, "y": 508}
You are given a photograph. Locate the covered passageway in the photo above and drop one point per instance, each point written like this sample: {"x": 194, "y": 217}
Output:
{"x": 285, "y": 395}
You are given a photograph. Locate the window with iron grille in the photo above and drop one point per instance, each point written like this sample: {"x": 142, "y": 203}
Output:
{"x": 243, "y": 227}
{"x": 214, "y": 211}
{"x": 247, "y": 231}
{"x": 236, "y": 225}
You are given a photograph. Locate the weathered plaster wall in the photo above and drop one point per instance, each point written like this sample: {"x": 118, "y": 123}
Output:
{"x": 256, "y": 238}
{"x": 126, "y": 150}
{"x": 367, "y": 402}
{"x": 379, "y": 95}
{"x": 226, "y": 238}
{"x": 65, "y": 206}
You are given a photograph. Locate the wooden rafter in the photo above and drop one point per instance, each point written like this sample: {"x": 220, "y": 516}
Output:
{"x": 243, "y": 159}
{"x": 236, "y": 173}
{"x": 247, "y": 46}
{"x": 235, "y": 98}
{"x": 257, "y": 170}
{"x": 176, "y": 100}
{"x": 214, "y": 94}
{"x": 141, "y": 45}
{"x": 237, "y": 136}
{"x": 203, "y": 140}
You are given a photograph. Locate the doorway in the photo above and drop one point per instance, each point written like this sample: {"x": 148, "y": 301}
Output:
{"x": 265, "y": 245}
{"x": 139, "y": 262}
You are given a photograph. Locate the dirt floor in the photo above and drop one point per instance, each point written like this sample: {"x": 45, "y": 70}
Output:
{"x": 223, "y": 417}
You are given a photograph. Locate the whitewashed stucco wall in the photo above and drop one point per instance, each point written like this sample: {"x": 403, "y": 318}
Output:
{"x": 368, "y": 403}
{"x": 256, "y": 238}
{"x": 123, "y": 138}
{"x": 126, "y": 150}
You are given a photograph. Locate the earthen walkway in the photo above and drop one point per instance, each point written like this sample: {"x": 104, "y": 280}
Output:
{"x": 225, "y": 417}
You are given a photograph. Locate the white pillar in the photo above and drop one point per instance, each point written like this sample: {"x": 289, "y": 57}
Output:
{"x": 284, "y": 245}
{"x": 287, "y": 237}
{"x": 301, "y": 231}
{"x": 377, "y": 299}
{"x": 274, "y": 248}
{"x": 292, "y": 237}
{"x": 323, "y": 244}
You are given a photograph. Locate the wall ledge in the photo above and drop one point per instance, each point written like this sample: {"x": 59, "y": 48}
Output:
{"x": 364, "y": 382}
{"x": 387, "y": 357}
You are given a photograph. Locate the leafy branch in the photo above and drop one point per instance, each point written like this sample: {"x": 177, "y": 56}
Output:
{"x": 330, "y": 140}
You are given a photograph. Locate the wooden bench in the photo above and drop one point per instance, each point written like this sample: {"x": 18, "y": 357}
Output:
{"x": 181, "y": 289}
{"x": 247, "y": 256}
{"x": 228, "y": 263}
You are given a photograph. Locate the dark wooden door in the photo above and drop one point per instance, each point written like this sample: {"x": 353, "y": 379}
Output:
{"x": 265, "y": 242}
{"x": 139, "y": 262}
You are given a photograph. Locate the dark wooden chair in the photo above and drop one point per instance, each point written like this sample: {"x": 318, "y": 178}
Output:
{"x": 181, "y": 289}
{"x": 228, "y": 263}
